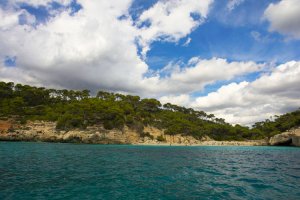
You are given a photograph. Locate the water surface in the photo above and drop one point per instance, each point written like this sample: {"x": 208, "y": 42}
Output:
{"x": 72, "y": 171}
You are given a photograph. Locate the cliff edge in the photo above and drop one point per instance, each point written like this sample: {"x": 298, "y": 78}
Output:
{"x": 289, "y": 138}
{"x": 47, "y": 132}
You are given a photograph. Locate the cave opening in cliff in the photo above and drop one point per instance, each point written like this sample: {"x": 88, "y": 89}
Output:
{"x": 288, "y": 142}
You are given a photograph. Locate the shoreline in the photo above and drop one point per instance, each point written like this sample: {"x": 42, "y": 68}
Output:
{"x": 205, "y": 143}
{"x": 199, "y": 145}
{"x": 40, "y": 131}
{"x": 211, "y": 143}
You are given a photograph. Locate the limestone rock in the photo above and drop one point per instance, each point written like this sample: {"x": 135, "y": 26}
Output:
{"x": 281, "y": 139}
{"x": 46, "y": 132}
{"x": 296, "y": 141}
{"x": 296, "y": 137}
{"x": 291, "y": 137}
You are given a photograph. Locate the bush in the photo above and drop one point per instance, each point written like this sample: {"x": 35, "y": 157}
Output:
{"x": 76, "y": 109}
{"x": 108, "y": 125}
{"x": 161, "y": 138}
{"x": 69, "y": 121}
{"x": 147, "y": 134}
{"x": 138, "y": 126}
{"x": 11, "y": 130}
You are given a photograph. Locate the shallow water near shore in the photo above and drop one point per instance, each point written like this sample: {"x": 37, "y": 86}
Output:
{"x": 73, "y": 171}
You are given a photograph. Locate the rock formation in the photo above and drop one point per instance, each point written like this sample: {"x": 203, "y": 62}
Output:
{"x": 46, "y": 132}
{"x": 289, "y": 138}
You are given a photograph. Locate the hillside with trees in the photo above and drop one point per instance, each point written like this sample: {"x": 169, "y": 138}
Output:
{"x": 78, "y": 109}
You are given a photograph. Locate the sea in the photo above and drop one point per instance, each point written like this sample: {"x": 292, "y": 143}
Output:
{"x": 31, "y": 170}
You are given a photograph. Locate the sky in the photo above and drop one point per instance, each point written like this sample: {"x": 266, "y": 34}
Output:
{"x": 237, "y": 59}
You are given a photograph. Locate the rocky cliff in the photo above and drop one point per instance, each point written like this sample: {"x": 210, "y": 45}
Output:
{"x": 289, "y": 138}
{"x": 46, "y": 132}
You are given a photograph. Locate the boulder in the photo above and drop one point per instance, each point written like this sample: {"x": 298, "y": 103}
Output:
{"x": 289, "y": 138}
{"x": 296, "y": 141}
{"x": 296, "y": 137}
{"x": 281, "y": 139}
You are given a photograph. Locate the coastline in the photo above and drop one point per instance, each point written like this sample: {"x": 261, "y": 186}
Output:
{"x": 210, "y": 143}
{"x": 218, "y": 143}
{"x": 77, "y": 140}
{"x": 82, "y": 138}
{"x": 41, "y": 131}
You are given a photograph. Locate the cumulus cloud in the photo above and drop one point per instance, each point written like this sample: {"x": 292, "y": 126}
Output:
{"x": 196, "y": 74}
{"x": 10, "y": 74}
{"x": 86, "y": 49}
{"x": 92, "y": 48}
{"x": 37, "y": 3}
{"x": 99, "y": 51}
{"x": 8, "y": 19}
{"x": 161, "y": 22}
{"x": 183, "y": 99}
{"x": 248, "y": 102}
{"x": 98, "y": 48}
{"x": 284, "y": 17}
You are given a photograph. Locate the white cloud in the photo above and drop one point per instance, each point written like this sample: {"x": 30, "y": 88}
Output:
{"x": 187, "y": 42}
{"x": 89, "y": 49}
{"x": 248, "y": 102}
{"x": 94, "y": 49}
{"x": 257, "y": 36}
{"x": 171, "y": 20}
{"x": 197, "y": 74}
{"x": 11, "y": 74}
{"x": 182, "y": 99}
{"x": 37, "y": 3}
{"x": 8, "y": 20}
{"x": 208, "y": 71}
{"x": 232, "y": 4}
{"x": 284, "y": 17}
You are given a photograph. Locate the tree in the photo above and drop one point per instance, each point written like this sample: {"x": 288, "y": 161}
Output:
{"x": 77, "y": 109}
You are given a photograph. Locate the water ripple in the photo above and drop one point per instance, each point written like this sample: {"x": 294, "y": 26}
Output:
{"x": 69, "y": 171}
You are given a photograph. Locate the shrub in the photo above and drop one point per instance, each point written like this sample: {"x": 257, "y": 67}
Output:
{"x": 161, "y": 138}
{"x": 69, "y": 121}
{"x": 146, "y": 134}
{"x": 11, "y": 129}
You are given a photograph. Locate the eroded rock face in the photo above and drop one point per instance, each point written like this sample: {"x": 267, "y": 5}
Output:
{"x": 296, "y": 141}
{"x": 281, "y": 139}
{"x": 289, "y": 138}
{"x": 46, "y": 132}
{"x": 296, "y": 138}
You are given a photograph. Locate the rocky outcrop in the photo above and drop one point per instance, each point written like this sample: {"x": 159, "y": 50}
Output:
{"x": 46, "y": 132}
{"x": 296, "y": 141}
{"x": 289, "y": 138}
{"x": 281, "y": 139}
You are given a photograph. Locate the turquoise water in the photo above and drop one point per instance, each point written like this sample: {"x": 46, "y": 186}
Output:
{"x": 72, "y": 171}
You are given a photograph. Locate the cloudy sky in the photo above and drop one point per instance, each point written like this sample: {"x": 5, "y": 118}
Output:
{"x": 238, "y": 59}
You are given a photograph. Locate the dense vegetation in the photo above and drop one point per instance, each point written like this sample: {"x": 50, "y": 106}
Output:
{"x": 77, "y": 109}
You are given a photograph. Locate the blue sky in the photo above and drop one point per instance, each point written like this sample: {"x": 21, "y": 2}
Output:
{"x": 229, "y": 34}
{"x": 212, "y": 55}
{"x": 226, "y": 33}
